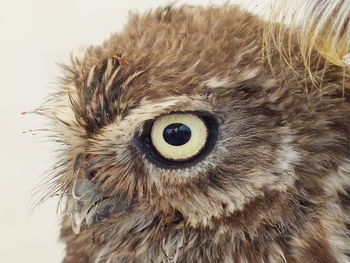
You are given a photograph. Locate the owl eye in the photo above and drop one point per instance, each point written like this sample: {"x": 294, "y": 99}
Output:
{"x": 179, "y": 137}
{"x": 179, "y": 140}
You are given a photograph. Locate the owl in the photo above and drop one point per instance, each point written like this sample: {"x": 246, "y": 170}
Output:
{"x": 207, "y": 134}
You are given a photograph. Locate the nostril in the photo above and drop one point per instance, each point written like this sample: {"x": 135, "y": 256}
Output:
{"x": 178, "y": 218}
{"x": 89, "y": 172}
{"x": 84, "y": 166}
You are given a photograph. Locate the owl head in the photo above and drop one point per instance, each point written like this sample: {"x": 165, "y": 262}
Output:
{"x": 184, "y": 120}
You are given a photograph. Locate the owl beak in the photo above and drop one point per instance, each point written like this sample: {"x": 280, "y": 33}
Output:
{"x": 87, "y": 202}
{"x": 84, "y": 194}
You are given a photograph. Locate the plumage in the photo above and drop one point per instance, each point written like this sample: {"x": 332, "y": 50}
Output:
{"x": 272, "y": 186}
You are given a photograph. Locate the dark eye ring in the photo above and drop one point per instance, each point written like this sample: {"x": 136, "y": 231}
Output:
{"x": 179, "y": 139}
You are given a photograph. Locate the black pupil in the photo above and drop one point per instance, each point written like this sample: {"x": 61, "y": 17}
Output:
{"x": 177, "y": 134}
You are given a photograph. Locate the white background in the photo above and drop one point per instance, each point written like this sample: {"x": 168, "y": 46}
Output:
{"x": 34, "y": 35}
